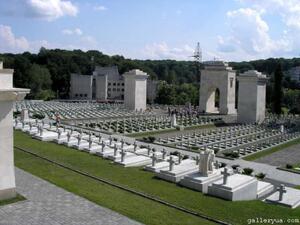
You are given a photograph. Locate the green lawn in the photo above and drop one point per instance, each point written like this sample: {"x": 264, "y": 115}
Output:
{"x": 12, "y": 200}
{"x": 271, "y": 150}
{"x": 135, "y": 207}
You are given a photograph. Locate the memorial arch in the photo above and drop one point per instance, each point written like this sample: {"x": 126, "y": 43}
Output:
{"x": 217, "y": 88}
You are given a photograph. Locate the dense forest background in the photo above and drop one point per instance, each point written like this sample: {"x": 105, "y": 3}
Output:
{"x": 47, "y": 74}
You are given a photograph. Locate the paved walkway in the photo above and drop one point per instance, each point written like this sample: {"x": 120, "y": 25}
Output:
{"x": 290, "y": 155}
{"x": 48, "y": 204}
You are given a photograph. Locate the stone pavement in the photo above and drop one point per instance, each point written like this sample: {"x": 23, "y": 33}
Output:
{"x": 290, "y": 155}
{"x": 48, "y": 204}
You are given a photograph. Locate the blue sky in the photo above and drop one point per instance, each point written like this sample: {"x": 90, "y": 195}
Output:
{"x": 231, "y": 30}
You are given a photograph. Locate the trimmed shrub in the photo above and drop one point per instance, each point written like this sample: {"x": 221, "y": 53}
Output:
{"x": 248, "y": 171}
{"x": 174, "y": 153}
{"x": 151, "y": 139}
{"x": 231, "y": 154}
{"x": 16, "y": 114}
{"x": 185, "y": 157}
{"x": 38, "y": 116}
{"x": 222, "y": 164}
{"x": 260, "y": 176}
{"x": 289, "y": 166}
{"x": 195, "y": 148}
{"x": 235, "y": 166}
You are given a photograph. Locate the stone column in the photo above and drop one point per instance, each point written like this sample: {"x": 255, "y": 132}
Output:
{"x": 135, "y": 90}
{"x": 8, "y": 95}
{"x": 101, "y": 87}
{"x": 252, "y": 97}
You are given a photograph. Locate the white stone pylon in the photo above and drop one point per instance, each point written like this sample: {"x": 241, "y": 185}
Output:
{"x": 8, "y": 95}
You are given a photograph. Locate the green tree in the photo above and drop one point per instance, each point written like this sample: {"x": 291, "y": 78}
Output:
{"x": 166, "y": 94}
{"x": 277, "y": 90}
{"x": 39, "y": 81}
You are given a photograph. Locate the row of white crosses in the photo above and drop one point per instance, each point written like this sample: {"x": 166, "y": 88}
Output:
{"x": 141, "y": 123}
{"x": 75, "y": 110}
{"x": 265, "y": 142}
{"x": 243, "y": 139}
{"x": 212, "y": 133}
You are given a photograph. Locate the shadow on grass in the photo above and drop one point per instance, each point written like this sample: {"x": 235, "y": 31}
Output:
{"x": 18, "y": 198}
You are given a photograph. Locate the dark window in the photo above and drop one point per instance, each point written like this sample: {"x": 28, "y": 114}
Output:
{"x": 231, "y": 82}
{"x": 109, "y": 84}
{"x": 114, "y": 89}
{"x": 108, "y": 89}
{"x": 122, "y": 84}
{"x": 85, "y": 95}
{"x": 80, "y": 95}
{"x": 118, "y": 89}
{"x": 122, "y": 89}
{"x": 76, "y": 95}
{"x": 114, "y": 84}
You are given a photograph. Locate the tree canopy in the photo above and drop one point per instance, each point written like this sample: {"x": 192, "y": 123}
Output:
{"x": 48, "y": 73}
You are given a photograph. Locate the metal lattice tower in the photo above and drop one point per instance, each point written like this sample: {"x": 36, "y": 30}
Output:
{"x": 198, "y": 60}
{"x": 198, "y": 53}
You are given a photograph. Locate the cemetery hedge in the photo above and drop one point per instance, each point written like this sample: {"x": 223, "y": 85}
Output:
{"x": 280, "y": 147}
{"x": 135, "y": 178}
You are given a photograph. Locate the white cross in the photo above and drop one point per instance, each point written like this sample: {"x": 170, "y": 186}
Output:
{"x": 225, "y": 175}
{"x": 154, "y": 158}
{"x": 281, "y": 190}
{"x": 171, "y": 163}
{"x": 123, "y": 154}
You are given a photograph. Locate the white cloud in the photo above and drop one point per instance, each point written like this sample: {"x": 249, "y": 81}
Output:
{"x": 250, "y": 37}
{"x": 163, "y": 51}
{"x": 51, "y": 9}
{"x": 43, "y": 9}
{"x": 99, "y": 8}
{"x": 75, "y": 31}
{"x": 10, "y": 43}
{"x": 288, "y": 10}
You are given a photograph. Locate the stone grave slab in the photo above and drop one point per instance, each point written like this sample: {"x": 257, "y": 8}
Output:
{"x": 137, "y": 160}
{"x": 179, "y": 171}
{"x": 46, "y": 136}
{"x": 289, "y": 199}
{"x": 199, "y": 182}
{"x": 237, "y": 188}
{"x": 264, "y": 188}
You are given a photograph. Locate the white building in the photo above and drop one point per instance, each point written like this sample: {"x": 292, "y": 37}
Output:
{"x": 104, "y": 84}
